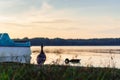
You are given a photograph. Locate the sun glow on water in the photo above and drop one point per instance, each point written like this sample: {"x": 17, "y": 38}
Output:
{"x": 96, "y": 57}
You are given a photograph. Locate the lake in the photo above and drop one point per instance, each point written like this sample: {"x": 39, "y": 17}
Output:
{"x": 96, "y": 56}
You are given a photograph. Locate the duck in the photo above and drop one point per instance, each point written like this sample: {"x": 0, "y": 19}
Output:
{"x": 41, "y": 58}
{"x": 74, "y": 61}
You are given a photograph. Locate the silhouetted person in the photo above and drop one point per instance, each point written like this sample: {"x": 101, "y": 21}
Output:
{"x": 41, "y": 57}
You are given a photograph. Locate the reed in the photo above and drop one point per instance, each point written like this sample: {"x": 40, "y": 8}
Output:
{"x": 60, "y": 51}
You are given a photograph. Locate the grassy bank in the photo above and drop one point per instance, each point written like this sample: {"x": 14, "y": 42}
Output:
{"x": 17, "y": 71}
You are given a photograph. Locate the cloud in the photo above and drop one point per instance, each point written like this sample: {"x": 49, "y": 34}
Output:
{"x": 8, "y": 3}
{"x": 46, "y": 17}
{"x": 28, "y": 11}
{"x": 47, "y": 13}
{"x": 54, "y": 21}
{"x": 11, "y": 24}
{"x": 3, "y": 2}
{"x": 46, "y": 7}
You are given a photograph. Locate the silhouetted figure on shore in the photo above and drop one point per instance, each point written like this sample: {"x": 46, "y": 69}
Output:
{"x": 41, "y": 57}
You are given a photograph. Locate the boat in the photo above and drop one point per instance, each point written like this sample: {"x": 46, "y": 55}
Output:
{"x": 11, "y": 51}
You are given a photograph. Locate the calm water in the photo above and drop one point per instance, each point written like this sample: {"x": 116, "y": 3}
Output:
{"x": 97, "y": 56}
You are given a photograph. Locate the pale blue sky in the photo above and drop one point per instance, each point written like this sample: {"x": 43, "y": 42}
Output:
{"x": 60, "y": 18}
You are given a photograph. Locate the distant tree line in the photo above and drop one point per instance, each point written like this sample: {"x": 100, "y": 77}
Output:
{"x": 72, "y": 42}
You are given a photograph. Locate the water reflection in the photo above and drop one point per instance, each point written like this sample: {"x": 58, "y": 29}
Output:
{"x": 96, "y": 56}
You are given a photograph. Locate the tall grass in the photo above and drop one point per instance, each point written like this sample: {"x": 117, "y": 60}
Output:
{"x": 18, "y": 71}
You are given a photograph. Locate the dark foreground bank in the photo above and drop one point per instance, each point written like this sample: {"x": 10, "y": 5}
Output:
{"x": 17, "y": 71}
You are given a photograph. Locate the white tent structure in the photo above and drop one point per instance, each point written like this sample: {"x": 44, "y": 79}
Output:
{"x": 11, "y": 51}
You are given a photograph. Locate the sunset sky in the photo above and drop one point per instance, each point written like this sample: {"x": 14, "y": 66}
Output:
{"x": 60, "y": 18}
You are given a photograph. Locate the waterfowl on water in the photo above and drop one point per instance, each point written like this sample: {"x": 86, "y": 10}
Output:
{"x": 72, "y": 61}
{"x": 41, "y": 57}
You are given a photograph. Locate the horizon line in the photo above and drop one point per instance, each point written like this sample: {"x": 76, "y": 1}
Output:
{"x": 67, "y": 38}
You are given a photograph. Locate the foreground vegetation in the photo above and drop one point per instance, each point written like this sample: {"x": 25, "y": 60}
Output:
{"x": 17, "y": 71}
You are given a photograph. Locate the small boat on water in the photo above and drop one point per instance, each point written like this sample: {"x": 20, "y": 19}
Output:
{"x": 11, "y": 51}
